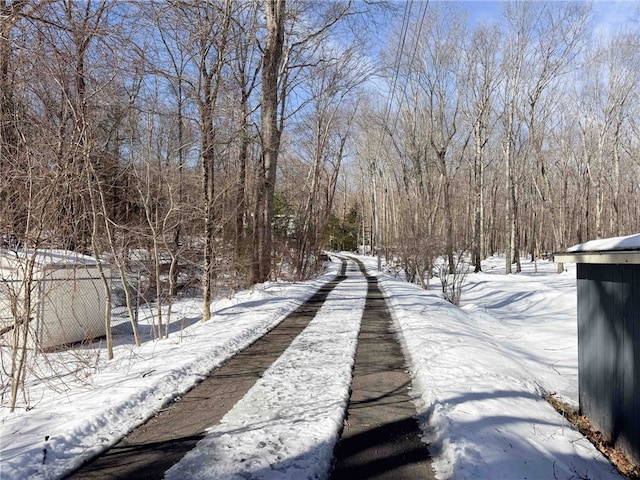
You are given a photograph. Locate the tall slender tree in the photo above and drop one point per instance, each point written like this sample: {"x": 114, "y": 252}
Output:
{"x": 272, "y": 60}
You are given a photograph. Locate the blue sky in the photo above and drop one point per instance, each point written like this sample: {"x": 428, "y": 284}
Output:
{"x": 608, "y": 15}
{"x": 612, "y": 16}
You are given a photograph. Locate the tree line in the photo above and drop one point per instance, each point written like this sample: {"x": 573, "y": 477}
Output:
{"x": 235, "y": 139}
{"x": 158, "y": 126}
{"x": 518, "y": 135}
{"x": 151, "y": 136}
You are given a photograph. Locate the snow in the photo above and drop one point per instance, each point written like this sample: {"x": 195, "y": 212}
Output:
{"x": 47, "y": 257}
{"x": 629, "y": 242}
{"x": 479, "y": 372}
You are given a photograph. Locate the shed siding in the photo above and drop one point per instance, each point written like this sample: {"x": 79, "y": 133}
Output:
{"x": 635, "y": 373}
{"x": 72, "y": 308}
{"x": 609, "y": 362}
{"x": 68, "y": 301}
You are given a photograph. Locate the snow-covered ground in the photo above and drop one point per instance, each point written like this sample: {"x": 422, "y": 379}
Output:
{"x": 479, "y": 373}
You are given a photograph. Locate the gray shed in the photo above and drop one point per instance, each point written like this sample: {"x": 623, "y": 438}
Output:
{"x": 608, "y": 288}
{"x": 68, "y": 297}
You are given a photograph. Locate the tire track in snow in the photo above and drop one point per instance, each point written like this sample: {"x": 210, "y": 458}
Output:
{"x": 151, "y": 449}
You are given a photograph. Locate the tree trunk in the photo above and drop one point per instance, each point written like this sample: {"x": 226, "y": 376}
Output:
{"x": 7, "y": 136}
{"x": 211, "y": 78}
{"x": 508, "y": 243}
{"x": 271, "y": 62}
{"x": 208, "y": 158}
{"x": 478, "y": 226}
{"x": 241, "y": 208}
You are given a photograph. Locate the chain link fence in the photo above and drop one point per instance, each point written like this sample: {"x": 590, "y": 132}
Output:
{"x": 67, "y": 308}
{"x": 119, "y": 307}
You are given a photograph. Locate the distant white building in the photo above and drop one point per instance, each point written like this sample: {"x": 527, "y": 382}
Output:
{"x": 68, "y": 299}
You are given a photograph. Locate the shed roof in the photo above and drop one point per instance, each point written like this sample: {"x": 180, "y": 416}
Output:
{"x": 615, "y": 250}
{"x": 46, "y": 258}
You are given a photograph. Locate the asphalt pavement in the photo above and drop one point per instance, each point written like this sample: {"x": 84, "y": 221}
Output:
{"x": 154, "y": 447}
{"x": 380, "y": 440}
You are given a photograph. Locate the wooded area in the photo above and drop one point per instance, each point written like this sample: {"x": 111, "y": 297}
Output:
{"x": 519, "y": 137}
{"x": 222, "y": 143}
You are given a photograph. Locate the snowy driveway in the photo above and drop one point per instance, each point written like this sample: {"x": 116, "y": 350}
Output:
{"x": 482, "y": 409}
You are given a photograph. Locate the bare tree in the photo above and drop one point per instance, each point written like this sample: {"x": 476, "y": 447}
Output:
{"x": 246, "y": 69}
{"x": 559, "y": 34}
{"x": 208, "y": 27}
{"x": 482, "y": 81}
{"x": 606, "y": 96}
{"x": 11, "y": 14}
{"x": 325, "y": 128}
{"x": 441, "y": 75}
{"x": 272, "y": 58}
{"x": 518, "y": 39}
{"x": 85, "y": 25}
{"x": 292, "y": 48}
